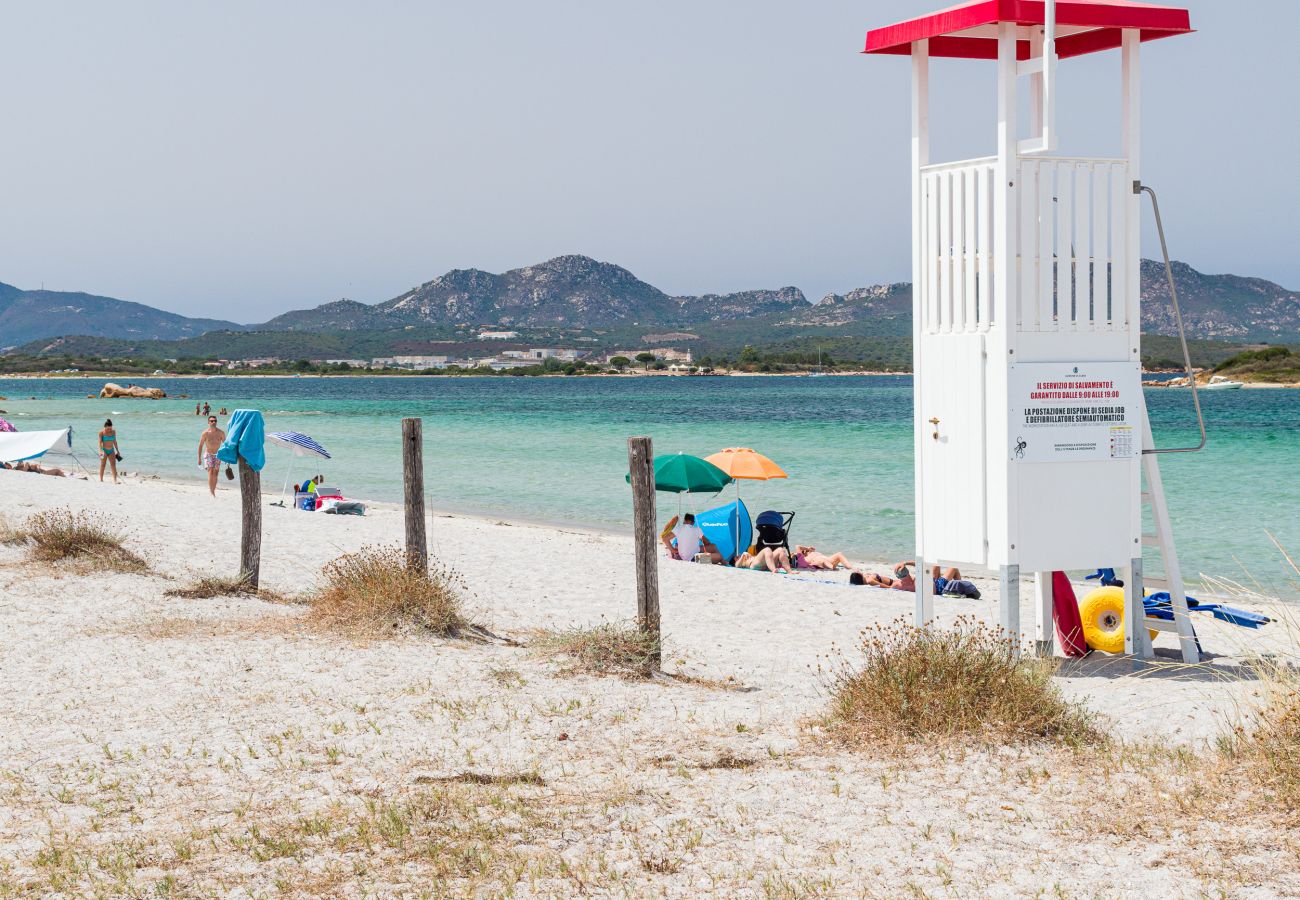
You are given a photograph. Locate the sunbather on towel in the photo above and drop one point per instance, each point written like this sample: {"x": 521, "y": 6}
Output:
{"x": 812, "y": 558}
{"x": 774, "y": 560}
{"x": 949, "y": 581}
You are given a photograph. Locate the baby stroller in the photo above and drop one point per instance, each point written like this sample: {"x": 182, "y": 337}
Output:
{"x": 773, "y": 529}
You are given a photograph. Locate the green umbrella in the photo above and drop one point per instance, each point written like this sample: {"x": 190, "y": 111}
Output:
{"x": 683, "y": 473}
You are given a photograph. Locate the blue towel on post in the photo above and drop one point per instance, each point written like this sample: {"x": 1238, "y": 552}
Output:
{"x": 246, "y": 437}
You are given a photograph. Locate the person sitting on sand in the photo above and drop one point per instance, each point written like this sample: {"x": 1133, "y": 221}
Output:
{"x": 210, "y": 442}
{"x": 108, "y": 449}
{"x": 687, "y": 540}
{"x": 812, "y": 558}
{"x": 775, "y": 560}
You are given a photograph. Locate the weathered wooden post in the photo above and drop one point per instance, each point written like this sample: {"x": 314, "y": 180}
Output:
{"x": 640, "y": 459}
{"x": 250, "y": 531}
{"x": 417, "y": 548}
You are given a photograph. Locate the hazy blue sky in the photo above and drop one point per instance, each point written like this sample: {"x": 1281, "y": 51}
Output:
{"x": 238, "y": 159}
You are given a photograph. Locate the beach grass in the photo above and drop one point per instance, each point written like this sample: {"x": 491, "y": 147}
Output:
{"x": 620, "y": 649}
{"x": 209, "y": 587}
{"x": 1266, "y": 746}
{"x": 62, "y": 535}
{"x": 948, "y": 684}
{"x": 374, "y": 592}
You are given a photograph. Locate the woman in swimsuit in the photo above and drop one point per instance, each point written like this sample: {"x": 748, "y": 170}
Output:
{"x": 773, "y": 560}
{"x": 811, "y": 558}
{"x": 108, "y": 449}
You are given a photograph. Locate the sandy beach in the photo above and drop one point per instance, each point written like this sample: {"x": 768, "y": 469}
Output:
{"x": 154, "y": 743}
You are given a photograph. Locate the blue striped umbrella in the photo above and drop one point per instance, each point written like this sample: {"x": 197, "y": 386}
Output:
{"x": 299, "y": 445}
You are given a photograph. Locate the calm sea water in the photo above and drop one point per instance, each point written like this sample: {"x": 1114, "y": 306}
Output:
{"x": 555, "y": 449}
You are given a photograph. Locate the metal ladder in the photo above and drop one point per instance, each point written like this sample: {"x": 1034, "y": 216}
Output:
{"x": 1137, "y": 640}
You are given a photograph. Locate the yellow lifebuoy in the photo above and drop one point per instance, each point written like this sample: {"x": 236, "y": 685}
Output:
{"x": 1102, "y": 612}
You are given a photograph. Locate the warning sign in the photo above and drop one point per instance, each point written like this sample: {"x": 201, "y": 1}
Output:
{"x": 1062, "y": 412}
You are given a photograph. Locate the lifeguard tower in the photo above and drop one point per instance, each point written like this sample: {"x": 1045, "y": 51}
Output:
{"x": 1032, "y": 439}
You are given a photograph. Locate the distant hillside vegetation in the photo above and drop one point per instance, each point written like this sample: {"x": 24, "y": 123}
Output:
{"x": 30, "y": 315}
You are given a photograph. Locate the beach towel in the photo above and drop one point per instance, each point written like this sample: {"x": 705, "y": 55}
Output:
{"x": 246, "y": 437}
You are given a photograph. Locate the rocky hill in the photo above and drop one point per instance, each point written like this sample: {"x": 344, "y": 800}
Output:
{"x": 568, "y": 291}
{"x": 1218, "y": 306}
{"x": 32, "y": 315}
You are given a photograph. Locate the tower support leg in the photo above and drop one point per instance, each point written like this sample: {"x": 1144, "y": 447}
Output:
{"x": 924, "y": 611}
{"x": 1044, "y": 627}
{"x": 1009, "y": 605}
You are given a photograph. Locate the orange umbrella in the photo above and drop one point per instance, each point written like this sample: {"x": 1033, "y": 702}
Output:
{"x": 742, "y": 462}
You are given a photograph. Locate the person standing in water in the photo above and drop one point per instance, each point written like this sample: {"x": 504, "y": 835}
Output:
{"x": 207, "y": 410}
{"x": 210, "y": 442}
{"x": 108, "y": 449}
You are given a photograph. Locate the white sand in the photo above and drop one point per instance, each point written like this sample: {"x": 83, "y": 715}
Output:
{"x": 131, "y": 716}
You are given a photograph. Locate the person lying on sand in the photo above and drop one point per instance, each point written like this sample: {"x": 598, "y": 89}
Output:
{"x": 947, "y": 582}
{"x": 35, "y": 468}
{"x": 812, "y": 558}
{"x": 774, "y": 560}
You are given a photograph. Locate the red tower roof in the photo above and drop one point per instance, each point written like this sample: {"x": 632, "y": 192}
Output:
{"x": 969, "y": 30}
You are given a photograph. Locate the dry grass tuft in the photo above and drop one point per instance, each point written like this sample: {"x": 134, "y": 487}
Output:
{"x": 728, "y": 761}
{"x": 951, "y": 683}
{"x": 61, "y": 535}
{"x": 608, "y": 649}
{"x": 1268, "y": 745}
{"x": 207, "y": 588}
{"x": 373, "y": 592}
{"x": 528, "y": 778}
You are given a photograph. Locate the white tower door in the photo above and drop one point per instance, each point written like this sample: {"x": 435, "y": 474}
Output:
{"x": 950, "y": 394}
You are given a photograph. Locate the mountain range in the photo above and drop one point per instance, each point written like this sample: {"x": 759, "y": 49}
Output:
{"x": 565, "y": 292}
{"x": 577, "y": 292}
{"x": 28, "y": 315}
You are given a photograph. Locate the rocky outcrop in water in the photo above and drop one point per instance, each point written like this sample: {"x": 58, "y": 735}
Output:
{"x": 112, "y": 391}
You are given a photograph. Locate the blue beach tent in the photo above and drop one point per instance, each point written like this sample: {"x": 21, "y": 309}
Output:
{"x": 728, "y": 528}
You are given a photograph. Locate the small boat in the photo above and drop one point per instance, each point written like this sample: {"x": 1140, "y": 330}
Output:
{"x": 1220, "y": 383}
{"x": 819, "y": 371}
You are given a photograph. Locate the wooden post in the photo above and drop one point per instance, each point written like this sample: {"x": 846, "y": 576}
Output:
{"x": 417, "y": 548}
{"x": 640, "y": 460}
{"x": 250, "y": 532}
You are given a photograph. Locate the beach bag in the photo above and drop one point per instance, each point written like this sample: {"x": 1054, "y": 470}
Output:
{"x": 960, "y": 587}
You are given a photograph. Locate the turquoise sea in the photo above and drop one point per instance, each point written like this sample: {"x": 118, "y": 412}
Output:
{"x": 554, "y": 449}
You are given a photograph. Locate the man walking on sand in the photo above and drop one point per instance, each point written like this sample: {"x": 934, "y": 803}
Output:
{"x": 209, "y": 443}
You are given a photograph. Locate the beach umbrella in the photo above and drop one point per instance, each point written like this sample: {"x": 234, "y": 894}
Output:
{"x": 6, "y": 426}
{"x": 682, "y": 473}
{"x": 742, "y": 462}
{"x": 299, "y": 445}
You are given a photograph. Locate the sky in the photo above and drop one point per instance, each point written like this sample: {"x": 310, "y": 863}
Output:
{"x": 239, "y": 159}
